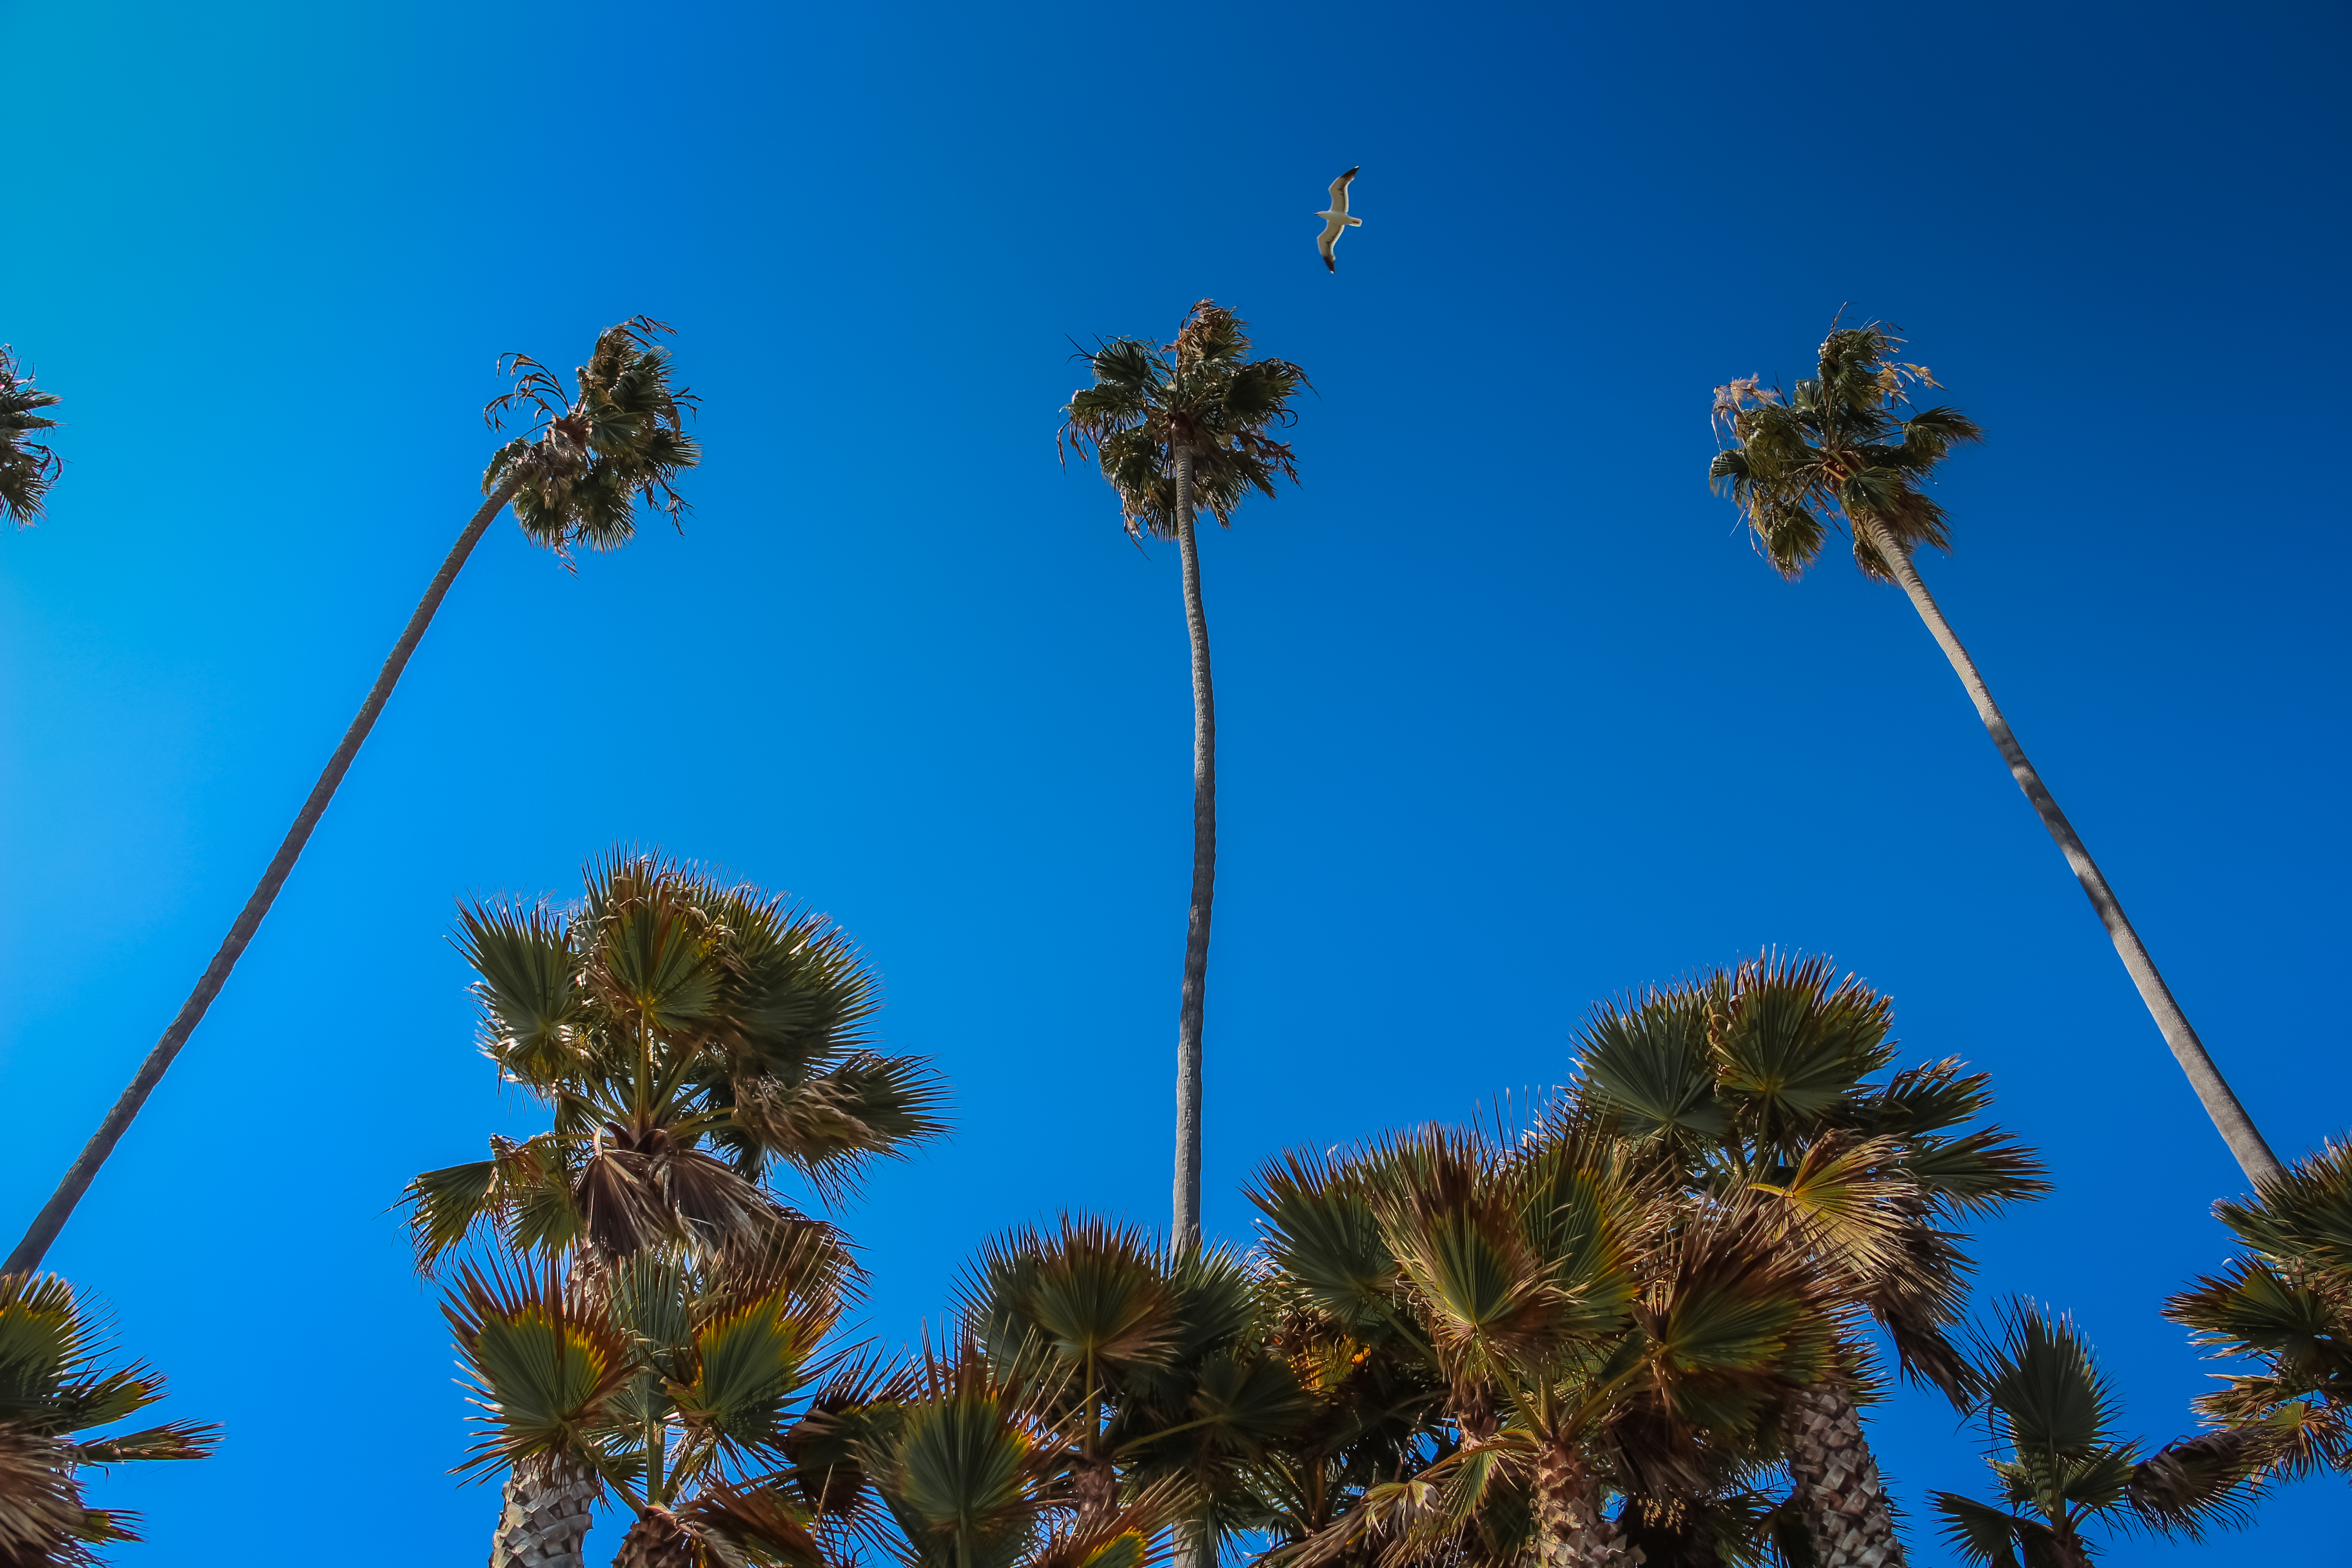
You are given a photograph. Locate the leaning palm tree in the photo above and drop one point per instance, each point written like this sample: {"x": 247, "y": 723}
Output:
{"x": 53, "y": 1390}
{"x": 595, "y": 454}
{"x": 692, "y": 1039}
{"x": 28, "y": 469}
{"x": 1769, "y": 1084}
{"x": 2064, "y": 1466}
{"x": 1172, "y": 430}
{"x": 2285, "y": 1303}
{"x": 1841, "y": 447}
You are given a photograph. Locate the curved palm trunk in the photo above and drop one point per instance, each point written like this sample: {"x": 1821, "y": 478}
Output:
{"x": 2237, "y": 1129}
{"x": 1571, "y": 1532}
{"x": 543, "y": 1518}
{"x": 1186, "y": 1229}
{"x": 52, "y": 1217}
{"x": 1840, "y": 1496}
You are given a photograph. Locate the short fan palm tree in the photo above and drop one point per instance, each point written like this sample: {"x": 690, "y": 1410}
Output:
{"x": 1843, "y": 447}
{"x": 596, "y": 453}
{"x": 1174, "y": 430}
{"x": 1596, "y": 1334}
{"x": 2286, "y": 1301}
{"x": 2064, "y": 1466}
{"x": 1764, "y": 1085}
{"x": 28, "y": 469}
{"x": 54, "y": 1390}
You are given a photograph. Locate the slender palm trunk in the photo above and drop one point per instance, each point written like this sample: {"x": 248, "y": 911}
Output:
{"x": 1840, "y": 1495}
{"x": 1571, "y": 1532}
{"x": 1187, "y": 1230}
{"x": 2237, "y": 1129}
{"x": 52, "y": 1217}
{"x": 544, "y": 1518}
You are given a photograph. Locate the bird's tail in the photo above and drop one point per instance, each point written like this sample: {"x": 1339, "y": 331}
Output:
{"x": 1355, "y": 223}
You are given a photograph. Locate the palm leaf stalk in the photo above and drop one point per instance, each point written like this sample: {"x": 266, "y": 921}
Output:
{"x": 2063, "y": 1466}
{"x": 28, "y": 469}
{"x": 1841, "y": 447}
{"x": 56, "y": 1389}
{"x": 1768, "y": 1083}
{"x": 1173, "y": 430}
{"x": 2286, "y": 1301}
{"x": 594, "y": 454}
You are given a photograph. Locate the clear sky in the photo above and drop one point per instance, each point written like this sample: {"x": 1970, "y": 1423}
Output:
{"x": 1512, "y": 718}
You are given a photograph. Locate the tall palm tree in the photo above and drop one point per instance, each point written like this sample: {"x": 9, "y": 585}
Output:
{"x": 53, "y": 1390}
{"x": 595, "y": 454}
{"x": 1172, "y": 430}
{"x": 667, "y": 1015}
{"x": 1596, "y": 1335}
{"x": 1763, "y": 1084}
{"x": 2063, "y": 1465}
{"x": 2286, "y": 1301}
{"x": 28, "y": 469}
{"x": 1842, "y": 447}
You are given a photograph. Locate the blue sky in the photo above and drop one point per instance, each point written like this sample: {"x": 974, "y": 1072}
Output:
{"x": 1512, "y": 719}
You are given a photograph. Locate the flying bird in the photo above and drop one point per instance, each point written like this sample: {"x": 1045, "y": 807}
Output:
{"x": 1336, "y": 222}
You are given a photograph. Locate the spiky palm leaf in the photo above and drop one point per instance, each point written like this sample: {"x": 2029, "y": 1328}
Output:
{"x": 56, "y": 1389}
{"x": 28, "y": 469}
{"x": 2063, "y": 1464}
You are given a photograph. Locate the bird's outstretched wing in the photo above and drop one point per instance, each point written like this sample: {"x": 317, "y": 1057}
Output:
{"x": 1332, "y": 230}
{"x": 1339, "y": 190}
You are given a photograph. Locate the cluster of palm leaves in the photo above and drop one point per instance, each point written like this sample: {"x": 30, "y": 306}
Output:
{"x": 2285, "y": 1303}
{"x": 27, "y": 467}
{"x": 56, "y": 1391}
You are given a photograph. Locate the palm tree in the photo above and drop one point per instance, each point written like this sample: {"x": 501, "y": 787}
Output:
{"x": 26, "y": 468}
{"x": 2062, "y": 1465}
{"x": 2286, "y": 1301}
{"x": 1595, "y": 1334}
{"x": 1839, "y": 448}
{"x": 672, "y": 1382}
{"x": 1172, "y": 430}
{"x": 1762, "y": 1084}
{"x": 594, "y": 454}
{"x": 665, "y": 1017}
{"x": 53, "y": 1390}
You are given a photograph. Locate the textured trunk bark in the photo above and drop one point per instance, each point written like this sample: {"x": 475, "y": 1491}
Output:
{"x": 655, "y": 1541}
{"x": 84, "y": 1170}
{"x": 2237, "y": 1129}
{"x": 1571, "y": 1532}
{"x": 1840, "y": 1493}
{"x": 544, "y": 1517}
{"x": 1186, "y": 1229}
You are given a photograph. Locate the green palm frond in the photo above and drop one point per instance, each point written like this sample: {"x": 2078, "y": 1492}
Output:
{"x": 28, "y": 469}
{"x": 544, "y": 1360}
{"x": 1323, "y": 1235}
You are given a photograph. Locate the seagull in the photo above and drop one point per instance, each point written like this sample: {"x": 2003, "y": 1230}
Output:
{"x": 1336, "y": 222}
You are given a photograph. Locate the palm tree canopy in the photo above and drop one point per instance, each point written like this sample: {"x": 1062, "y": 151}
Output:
{"x": 1204, "y": 395}
{"x": 690, "y": 1035}
{"x": 614, "y": 441}
{"x": 28, "y": 469}
{"x": 2286, "y": 1301}
{"x": 54, "y": 1390}
{"x": 1839, "y": 447}
{"x": 2061, "y": 1460}
{"x": 1773, "y": 1079}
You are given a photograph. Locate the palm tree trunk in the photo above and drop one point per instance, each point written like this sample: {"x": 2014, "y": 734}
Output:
{"x": 655, "y": 1541}
{"x": 52, "y": 1217}
{"x": 544, "y": 1518}
{"x": 1571, "y": 1532}
{"x": 2237, "y": 1129}
{"x": 1840, "y": 1496}
{"x": 1186, "y": 1229}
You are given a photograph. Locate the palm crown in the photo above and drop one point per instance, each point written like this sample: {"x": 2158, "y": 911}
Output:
{"x": 26, "y": 468}
{"x": 594, "y": 452}
{"x": 54, "y": 1389}
{"x": 1839, "y": 447}
{"x": 688, "y": 1035}
{"x": 1201, "y": 398}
